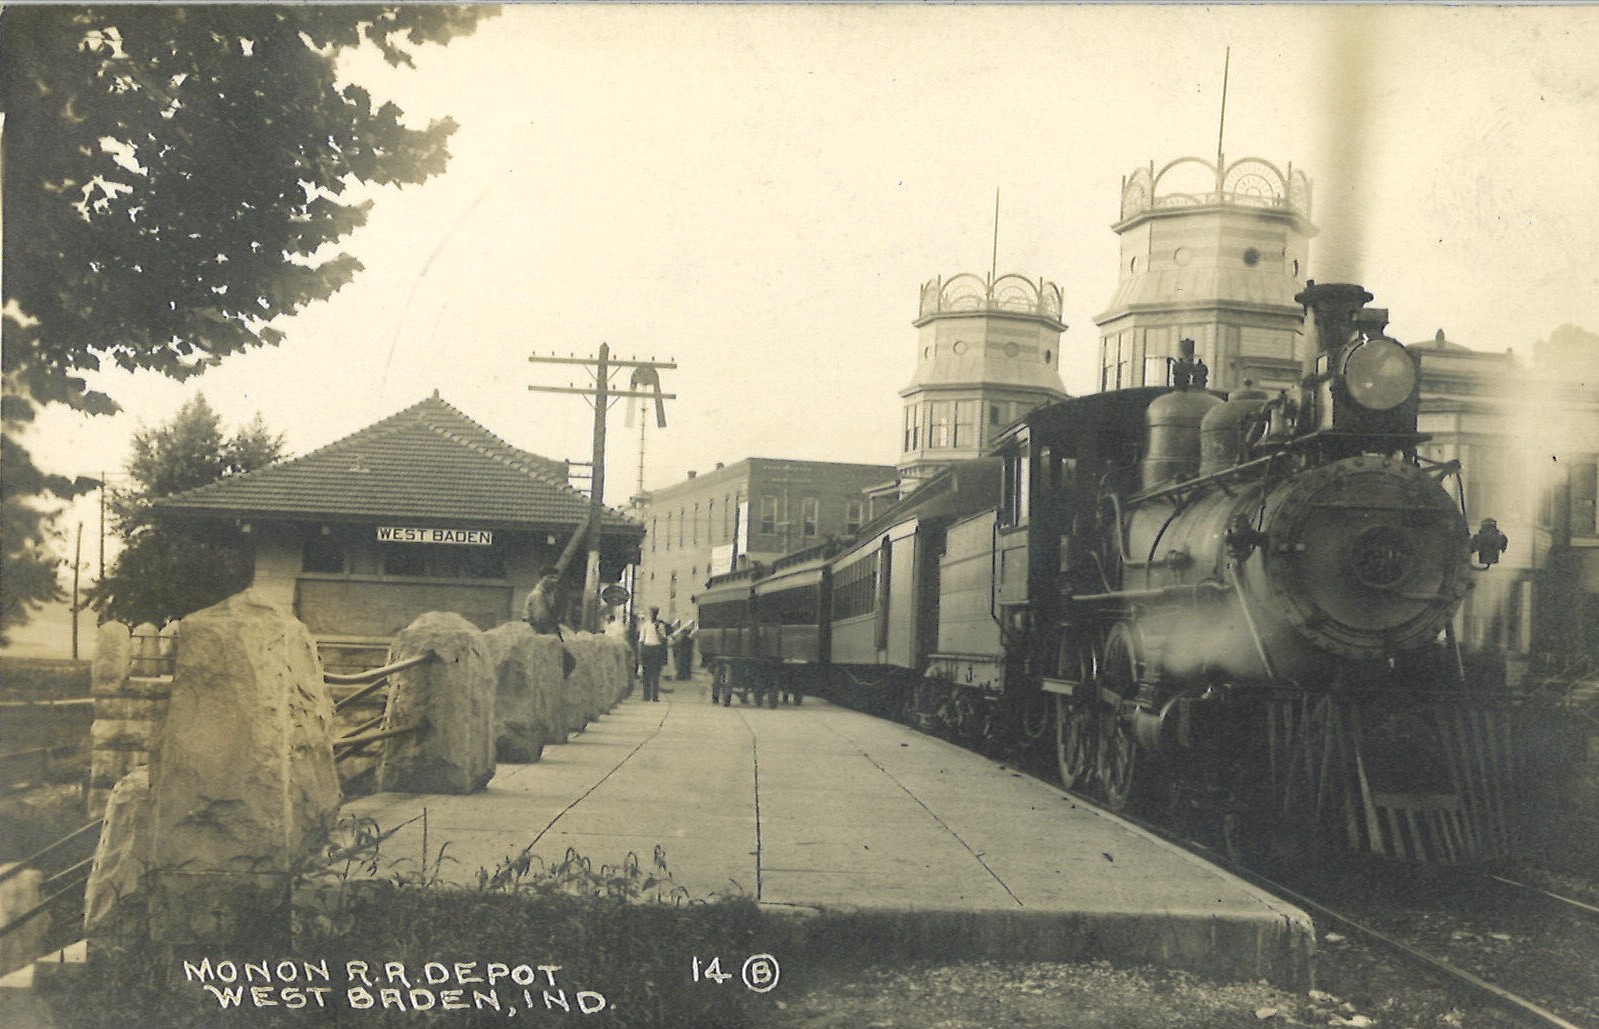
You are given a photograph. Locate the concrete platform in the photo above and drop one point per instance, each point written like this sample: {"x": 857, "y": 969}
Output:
{"x": 904, "y": 836}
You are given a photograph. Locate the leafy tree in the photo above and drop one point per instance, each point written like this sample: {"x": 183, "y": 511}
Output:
{"x": 165, "y": 572}
{"x": 176, "y": 178}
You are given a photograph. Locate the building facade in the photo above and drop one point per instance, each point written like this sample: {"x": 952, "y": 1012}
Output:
{"x": 988, "y": 351}
{"x": 754, "y": 510}
{"x": 1527, "y": 437}
{"x": 425, "y": 510}
{"x": 1214, "y": 253}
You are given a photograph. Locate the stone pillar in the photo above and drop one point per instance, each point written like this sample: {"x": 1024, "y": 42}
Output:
{"x": 116, "y": 899}
{"x": 18, "y": 895}
{"x": 451, "y": 698}
{"x": 243, "y": 780}
{"x": 527, "y": 697}
{"x": 128, "y": 712}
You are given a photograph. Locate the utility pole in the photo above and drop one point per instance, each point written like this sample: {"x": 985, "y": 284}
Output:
{"x": 646, "y": 382}
{"x": 77, "y": 563}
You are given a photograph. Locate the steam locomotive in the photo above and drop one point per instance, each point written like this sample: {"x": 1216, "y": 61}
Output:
{"x": 1234, "y": 612}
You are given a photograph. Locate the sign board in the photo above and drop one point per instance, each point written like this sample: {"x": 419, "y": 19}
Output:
{"x": 402, "y": 534}
{"x": 614, "y": 595}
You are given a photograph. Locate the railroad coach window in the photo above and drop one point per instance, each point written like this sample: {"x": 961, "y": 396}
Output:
{"x": 855, "y": 589}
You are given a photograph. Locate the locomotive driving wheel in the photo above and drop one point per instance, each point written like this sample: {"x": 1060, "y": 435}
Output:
{"x": 1076, "y": 727}
{"x": 1117, "y": 765}
{"x": 1075, "y": 730}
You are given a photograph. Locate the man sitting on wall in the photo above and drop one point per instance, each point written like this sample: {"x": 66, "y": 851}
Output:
{"x": 541, "y": 611}
{"x": 543, "y": 604}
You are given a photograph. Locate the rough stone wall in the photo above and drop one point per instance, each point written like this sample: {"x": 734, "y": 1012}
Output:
{"x": 527, "y": 669}
{"x": 243, "y": 778}
{"x": 129, "y": 704}
{"x": 600, "y": 678}
{"x": 452, "y": 697}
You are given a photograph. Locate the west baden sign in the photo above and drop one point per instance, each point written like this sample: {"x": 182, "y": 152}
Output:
{"x": 409, "y": 534}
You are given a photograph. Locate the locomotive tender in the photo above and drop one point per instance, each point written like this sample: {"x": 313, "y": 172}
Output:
{"x": 1235, "y": 612}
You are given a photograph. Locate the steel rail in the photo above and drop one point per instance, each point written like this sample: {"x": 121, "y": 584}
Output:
{"x": 1585, "y": 908}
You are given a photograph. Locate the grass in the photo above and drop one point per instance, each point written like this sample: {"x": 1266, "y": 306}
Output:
{"x": 609, "y": 945}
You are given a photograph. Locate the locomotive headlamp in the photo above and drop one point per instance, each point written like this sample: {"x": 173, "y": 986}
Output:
{"x": 1379, "y": 374}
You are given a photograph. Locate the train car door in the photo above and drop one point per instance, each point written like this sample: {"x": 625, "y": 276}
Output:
{"x": 1010, "y": 534}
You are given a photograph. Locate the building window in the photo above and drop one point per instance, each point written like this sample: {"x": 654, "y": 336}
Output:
{"x": 938, "y": 423}
{"x": 852, "y": 517}
{"x": 768, "y": 515}
{"x": 912, "y": 435}
{"x": 966, "y": 423}
{"x": 668, "y": 536}
{"x": 484, "y": 562}
{"x": 654, "y": 533}
{"x": 710, "y": 520}
{"x": 323, "y": 554}
{"x": 402, "y": 559}
{"x": 682, "y": 516}
{"x": 993, "y": 414}
{"x": 1585, "y": 498}
{"x": 810, "y": 510}
{"x": 694, "y": 527}
{"x": 727, "y": 518}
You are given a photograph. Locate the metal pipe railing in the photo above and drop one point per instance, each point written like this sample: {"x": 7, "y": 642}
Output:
{"x": 350, "y": 742}
{"x": 31, "y": 859}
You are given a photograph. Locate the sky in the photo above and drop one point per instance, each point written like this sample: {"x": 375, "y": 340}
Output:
{"x": 758, "y": 192}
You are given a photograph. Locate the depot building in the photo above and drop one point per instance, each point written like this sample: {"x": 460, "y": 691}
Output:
{"x": 425, "y": 510}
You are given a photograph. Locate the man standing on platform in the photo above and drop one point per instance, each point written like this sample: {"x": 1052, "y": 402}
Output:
{"x": 652, "y": 653}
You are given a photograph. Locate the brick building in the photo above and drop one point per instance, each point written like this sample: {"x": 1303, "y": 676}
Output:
{"x": 752, "y": 510}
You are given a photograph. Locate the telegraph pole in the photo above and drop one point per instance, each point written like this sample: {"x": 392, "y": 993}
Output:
{"x": 646, "y": 382}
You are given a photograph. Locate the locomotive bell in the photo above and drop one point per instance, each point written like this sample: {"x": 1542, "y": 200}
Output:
{"x": 1172, "y": 423}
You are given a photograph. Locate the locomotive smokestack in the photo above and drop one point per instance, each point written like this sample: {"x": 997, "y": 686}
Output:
{"x": 1330, "y": 310}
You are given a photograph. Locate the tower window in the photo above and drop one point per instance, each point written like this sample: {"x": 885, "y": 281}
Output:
{"x": 966, "y": 423}
{"x": 938, "y": 423}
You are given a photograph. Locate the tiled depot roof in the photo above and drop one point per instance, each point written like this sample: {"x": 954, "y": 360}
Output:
{"x": 428, "y": 463}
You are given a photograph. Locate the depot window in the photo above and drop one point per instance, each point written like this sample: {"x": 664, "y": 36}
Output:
{"x": 404, "y": 559}
{"x": 322, "y": 554}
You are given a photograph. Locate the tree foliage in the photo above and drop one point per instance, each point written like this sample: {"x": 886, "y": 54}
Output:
{"x": 166, "y": 572}
{"x": 176, "y": 178}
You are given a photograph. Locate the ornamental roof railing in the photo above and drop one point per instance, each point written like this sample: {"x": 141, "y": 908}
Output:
{"x": 1196, "y": 182}
{"x": 1008, "y": 294}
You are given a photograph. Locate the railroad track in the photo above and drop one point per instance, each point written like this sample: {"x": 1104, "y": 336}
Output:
{"x": 1460, "y": 982}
